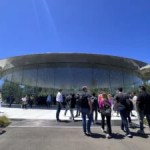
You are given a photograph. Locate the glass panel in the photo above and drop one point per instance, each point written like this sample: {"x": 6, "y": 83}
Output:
{"x": 17, "y": 75}
{"x": 43, "y": 79}
{"x": 7, "y": 75}
{"x": 45, "y": 76}
{"x": 116, "y": 78}
{"x": 128, "y": 81}
{"x": 30, "y": 75}
{"x": 101, "y": 77}
{"x": 69, "y": 77}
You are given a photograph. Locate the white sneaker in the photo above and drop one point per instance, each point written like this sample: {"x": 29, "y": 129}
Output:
{"x": 140, "y": 131}
{"x": 129, "y": 135}
{"x": 108, "y": 136}
{"x": 102, "y": 130}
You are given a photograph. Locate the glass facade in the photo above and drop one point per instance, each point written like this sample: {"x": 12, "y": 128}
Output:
{"x": 44, "y": 79}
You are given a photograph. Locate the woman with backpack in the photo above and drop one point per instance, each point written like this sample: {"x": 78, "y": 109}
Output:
{"x": 105, "y": 109}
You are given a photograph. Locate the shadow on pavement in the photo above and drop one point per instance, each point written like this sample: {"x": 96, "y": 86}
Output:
{"x": 140, "y": 135}
{"x": 2, "y": 132}
{"x": 64, "y": 121}
{"x": 117, "y": 136}
{"x": 97, "y": 135}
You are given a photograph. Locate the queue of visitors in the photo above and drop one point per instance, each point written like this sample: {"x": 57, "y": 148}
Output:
{"x": 122, "y": 103}
{"x": 89, "y": 105}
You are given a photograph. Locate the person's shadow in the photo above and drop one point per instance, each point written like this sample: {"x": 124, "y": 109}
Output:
{"x": 145, "y": 136}
{"x": 113, "y": 136}
{"x": 2, "y": 132}
{"x": 117, "y": 136}
{"x": 96, "y": 135}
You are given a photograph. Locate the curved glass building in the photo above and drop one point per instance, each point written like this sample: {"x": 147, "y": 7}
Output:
{"x": 40, "y": 74}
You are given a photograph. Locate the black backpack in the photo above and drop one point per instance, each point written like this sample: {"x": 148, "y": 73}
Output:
{"x": 129, "y": 105}
{"x": 84, "y": 101}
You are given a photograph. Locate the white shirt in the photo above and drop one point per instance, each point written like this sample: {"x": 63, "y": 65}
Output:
{"x": 59, "y": 97}
{"x": 134, "y": 99}
{"x": 24, "y": 99}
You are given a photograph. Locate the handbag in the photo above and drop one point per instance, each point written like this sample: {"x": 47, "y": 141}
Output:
{"x": 106, "y": 110}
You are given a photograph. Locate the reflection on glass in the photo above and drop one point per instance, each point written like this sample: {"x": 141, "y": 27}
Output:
{"x": 43, "y": 79}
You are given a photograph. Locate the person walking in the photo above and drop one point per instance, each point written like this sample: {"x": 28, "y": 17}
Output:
{"x": 59, "y": 100}
{"x": 48, "y": 101}
{"x": 94, "y": 108}
{"x": 72, "y": 105}
{"x": 134, "y": 99}
{"x": 122, "y": 107}
{"x": 67, "y": 103}
{"x": 86, "y": 110}
{"x": 24, "y": 101}
{"x": 105, "y": 109}
{"x": 143, "y": 107}
{"x": 78, "y": 110}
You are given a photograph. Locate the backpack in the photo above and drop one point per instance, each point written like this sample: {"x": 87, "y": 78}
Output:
{"x": 123, "y": 102}
{"x": 106, "y": 110}
{"x": 129, "y": 105}
{"x": 84, "y": 101}
{"x": 94, "y": 102}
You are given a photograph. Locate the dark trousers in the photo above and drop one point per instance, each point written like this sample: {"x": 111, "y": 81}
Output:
{"x": 78, "y": 111}
{"x": 108, "y": 122}
{"x": 24, "y": 105}
{"x": 124, "y": 123}
{"x": 58, "y": 110}
{"x": 67, "y": 107}
{"x": 48, "y": 104}
{"x": 141, "y": 119}
{"x": 94, "y": 111}
{"x": 128, "y": 120}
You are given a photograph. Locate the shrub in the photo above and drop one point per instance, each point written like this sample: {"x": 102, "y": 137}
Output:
{"x": 4, "y": 121}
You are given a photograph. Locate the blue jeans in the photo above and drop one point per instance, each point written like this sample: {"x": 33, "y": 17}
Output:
{"x": 128, "y": 119}
{"x": 124, "y": 124}
{"x": 86, "y": 125}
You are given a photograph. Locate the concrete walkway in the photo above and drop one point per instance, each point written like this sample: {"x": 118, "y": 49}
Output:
{"x": 37, "y": 129}
{"x": 46, "y": 114}
{"x": 69, "y": 139}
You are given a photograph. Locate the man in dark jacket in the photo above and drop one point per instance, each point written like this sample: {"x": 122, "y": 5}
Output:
{"x": 122, "y": 107}
{"x": 86, "y": 110}
{"x": 143, "y": 107}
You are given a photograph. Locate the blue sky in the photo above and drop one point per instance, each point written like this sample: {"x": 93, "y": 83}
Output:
{"x": 113, "y": 27}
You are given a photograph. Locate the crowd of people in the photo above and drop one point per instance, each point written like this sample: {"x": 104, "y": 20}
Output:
{"x": 89, "y": 105}
{"x": 123, "y": 103}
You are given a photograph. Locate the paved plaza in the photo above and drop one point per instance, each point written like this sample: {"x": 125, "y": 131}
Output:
{"x": 37, "y": 129}
{"x": 44, "y": 113}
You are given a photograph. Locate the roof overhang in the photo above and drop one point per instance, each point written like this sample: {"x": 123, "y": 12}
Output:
{"x": 107, "y": 60}
{"x": 145, "y": 72}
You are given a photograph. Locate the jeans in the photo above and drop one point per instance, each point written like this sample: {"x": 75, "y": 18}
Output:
{"x": 141, "y": 116}
{"x": 58, "y": 110}
{"x": 128, "y": 119}
{"x": 78, "y": 111}
{"x": 86, "y": 125}
{"x": 124, "y": 123}
{"x": 66, "y": 109}
{"x": 108, "y": 121}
